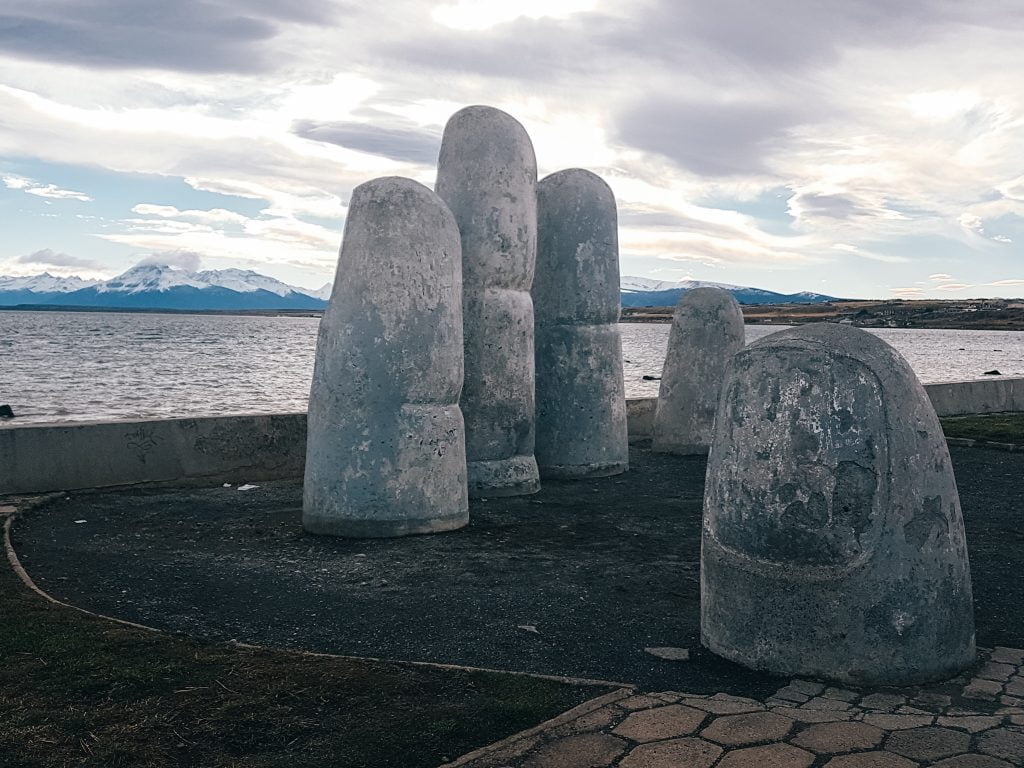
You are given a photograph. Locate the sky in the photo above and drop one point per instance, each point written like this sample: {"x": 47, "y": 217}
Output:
{"x": 858, "y": 148}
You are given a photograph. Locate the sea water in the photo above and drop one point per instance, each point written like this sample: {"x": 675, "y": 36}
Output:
{"x": 75, "y": 366}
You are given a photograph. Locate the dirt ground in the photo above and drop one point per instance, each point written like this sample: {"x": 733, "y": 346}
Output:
{"x": 577, "y": 580}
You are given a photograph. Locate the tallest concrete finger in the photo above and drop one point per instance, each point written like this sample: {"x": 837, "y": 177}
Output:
{"x": 487, "y": 174}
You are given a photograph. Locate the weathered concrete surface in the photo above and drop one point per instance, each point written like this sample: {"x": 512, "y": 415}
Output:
{"x": 581, "y": 396}
{"x": 962, "y": 398}
{"x": 952, "y": 398}
{"x": 38, "y": 458}
{"x": 707, "y": 330}
{"x": 61, "y": 457}
{"x": 640, "y": 417}
{"x": 487, "y": 174}
{"x": 386, "y": 447}
{"x": 833, "y": 540}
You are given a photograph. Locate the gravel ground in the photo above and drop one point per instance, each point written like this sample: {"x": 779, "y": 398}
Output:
{"x": 577, "y": 580}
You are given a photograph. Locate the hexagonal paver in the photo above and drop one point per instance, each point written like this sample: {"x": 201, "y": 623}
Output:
{"x": 836, "y": 738}
{"x": 970, "y": 723}
{"x": 814, "y": 715}
{"x": 597, "y": 720}
{"x": 767, "y": 756}
{"x": 972, "y": 761}
{"x": 640, "y": 701}
{"x": 693, "y": 753}
{"x": 1008, "y": 655}
{"x": 870, "y": 760}
{"x": 739, "y": 730}
{"x": 898, "y": 722}
{"x": 592, "y": 750}
{"x": 931, "y": 743}
{"x": 886, "y": 702}
{"x": 661, "y": 723}
{"x": 1015, "y": 687}
{"x": 993, "y": 670}
{"x": 718, "y": 705}
{"x": 1004, "y": 743}
{"x": 982, "y": 690}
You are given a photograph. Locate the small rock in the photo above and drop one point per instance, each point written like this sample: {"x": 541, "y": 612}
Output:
{"x": 993, "y": 372}
{"x": 646, "y": 377}
{"x": 247, "y": 487}
{"x": 528, "y": 628}
{"x": 6, "y": 412}
{"x": 669, "y": 654}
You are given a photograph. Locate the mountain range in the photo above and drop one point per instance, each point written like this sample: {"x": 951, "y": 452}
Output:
{"x": 156, "y": 286}
{"x": 645, "y": 292}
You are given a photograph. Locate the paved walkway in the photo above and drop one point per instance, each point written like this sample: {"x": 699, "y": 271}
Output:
{"x": 969, "y": 722}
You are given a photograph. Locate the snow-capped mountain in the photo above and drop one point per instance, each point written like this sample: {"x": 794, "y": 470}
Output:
{"x": 44, "y": 283}
{"x": 39, "y": 289}
{"x": 645, "y": 292}
{"x": 629, "y": 284}
{"x": 157, "y": 286}
{"x": 247, "y": 281}
{"x": 323, "y": 292}
{"x": 155, "y": 278}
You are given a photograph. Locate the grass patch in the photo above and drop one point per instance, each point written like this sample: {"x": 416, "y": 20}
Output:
{"x": 80, "y": 691}
{"x": 993, "y": 427}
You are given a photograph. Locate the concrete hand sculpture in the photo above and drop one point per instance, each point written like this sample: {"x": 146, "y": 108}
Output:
{"x": 386, "y": 444}
{"x": 487, "y": 174}
{"x": 707, "y": 330}
{"x": 581, "y": 400}
{"x": 833, "y": 541}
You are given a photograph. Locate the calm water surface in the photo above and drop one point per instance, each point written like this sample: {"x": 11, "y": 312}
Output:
{"x": 72, "y": 366}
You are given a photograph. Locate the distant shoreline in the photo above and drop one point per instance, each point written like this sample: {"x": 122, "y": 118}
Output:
{"x": 968, "y": 315}
{"x": 978, "y": 315}
{"x": 163, "y": 311}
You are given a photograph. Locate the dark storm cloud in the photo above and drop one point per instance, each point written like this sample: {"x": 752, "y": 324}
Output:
{"x": 537, "y": 50}
{"x": 777, "y": 36}
{"x": 184, "y": 35}
{"x": 708, "y": 138}
{"x": 722, "y": 39}
{"x": 51, "y": 258}
{"x": 409, "y": 145}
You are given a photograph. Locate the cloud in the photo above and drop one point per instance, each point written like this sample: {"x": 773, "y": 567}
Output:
{"x": 953, "y": 286}
{"x": 186, "y": 35}
{"x": 217, "y": 216}
{"x": 885, "y": 122}
{"x": 49, "y": 257}
{"x": 868, "y": 254}
{"x": 187, "y": 260}
{"x": 1010, "y": 281}
{"x": 407, "y": 145}
{"x": 714, "y": 139}
{"x": 44, "y": 190}
{"x": 941, "y": 277}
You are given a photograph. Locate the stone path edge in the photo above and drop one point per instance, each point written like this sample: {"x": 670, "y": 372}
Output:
{"x": 10, "y": 513}
{"x": 970, "y": 442}
{"x": 569, "y": 715}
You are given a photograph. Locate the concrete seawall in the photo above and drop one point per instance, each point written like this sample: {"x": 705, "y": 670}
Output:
{"x": 252, "y": 447}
